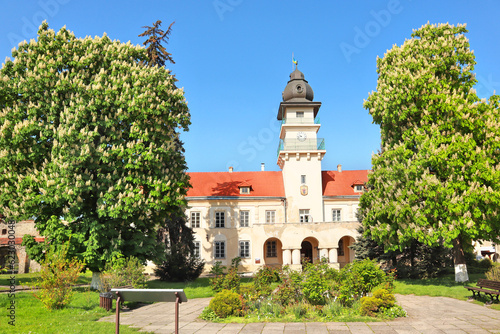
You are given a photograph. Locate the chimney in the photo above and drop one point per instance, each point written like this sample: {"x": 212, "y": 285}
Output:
{"x": 230, "y": 169}
{"x": 262, "y": 166}
{"x": 339, "y": 168}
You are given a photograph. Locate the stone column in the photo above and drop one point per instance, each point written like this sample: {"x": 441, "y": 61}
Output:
{"x": 333, "y": 258}
{"x": 296, "y": 256}
{"x": 323, "y": 252}
{"x": 287, "y": 256}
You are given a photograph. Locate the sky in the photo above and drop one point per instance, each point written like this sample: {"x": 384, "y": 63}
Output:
{"x": 233, "y": 59}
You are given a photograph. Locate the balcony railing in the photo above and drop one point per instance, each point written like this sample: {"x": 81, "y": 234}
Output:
{"x": 297, "y": 145}
{"x": 300, "y": 120}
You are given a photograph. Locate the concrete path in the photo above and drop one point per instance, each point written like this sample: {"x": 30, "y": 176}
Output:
{"x": 425, "y": 315}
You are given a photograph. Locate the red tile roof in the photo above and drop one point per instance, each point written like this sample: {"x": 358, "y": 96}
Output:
{"x": 263, "y": 184}
{"x": 341, "y": 183}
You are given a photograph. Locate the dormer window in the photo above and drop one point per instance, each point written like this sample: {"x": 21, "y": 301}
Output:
{"x": 358, "y": 186}
{"x": 245, "y": 188}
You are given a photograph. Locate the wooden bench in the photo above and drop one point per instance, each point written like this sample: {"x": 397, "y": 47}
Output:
{"x": 488, "y": 287}
{"x": 149, "y": 295}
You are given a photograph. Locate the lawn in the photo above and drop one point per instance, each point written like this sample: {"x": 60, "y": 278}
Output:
{"x": 80, "y": 316}
{"x": 25, "y": 279}
{"x": 83, "y": 312}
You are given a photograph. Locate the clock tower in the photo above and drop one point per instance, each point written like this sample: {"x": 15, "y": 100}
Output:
{"x": 300, "y": 151}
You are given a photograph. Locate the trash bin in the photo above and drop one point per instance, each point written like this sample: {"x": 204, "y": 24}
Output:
{"x": 106, "y": 300}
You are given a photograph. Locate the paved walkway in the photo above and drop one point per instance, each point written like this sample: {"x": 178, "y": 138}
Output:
{"x": 425, "y": 315}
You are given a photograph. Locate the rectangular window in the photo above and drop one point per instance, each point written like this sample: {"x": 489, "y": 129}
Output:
{"x": 220, "y": 250}
{"x": 340, "y": 250}
{"x": 303, "y": 179}
{"x": 219, "y": 219}
{"x": 270, "y": 217}
{"x": 196, "y": 251}
{"x": 359, "y": 187}
{"x": 299, "y": 114}
{"x": 271, "y": 249}
{"x": 336, "y": 215}
{"x": 195, "y": 219}
{"x": 244, "y": 218}
{"x": 244, "y": 249}
{"x": 245, "y": 190}
{"x": 304, "y": 216}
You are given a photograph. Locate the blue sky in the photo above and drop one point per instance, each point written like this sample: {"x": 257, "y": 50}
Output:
{"x": 233, "y": 58}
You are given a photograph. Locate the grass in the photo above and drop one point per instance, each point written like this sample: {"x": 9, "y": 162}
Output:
{"x": 444, "y": 286}
{"x": 80, "y": 316}
{"x": 82, "y": 313}
{"x": 25, "y": 279}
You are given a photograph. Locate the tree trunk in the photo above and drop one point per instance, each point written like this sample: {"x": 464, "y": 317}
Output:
{"x": 96, "y": 281}
{"x": 461, "y": 274}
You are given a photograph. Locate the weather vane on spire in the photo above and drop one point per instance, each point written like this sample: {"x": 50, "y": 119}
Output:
{"x": 294, "y": 61}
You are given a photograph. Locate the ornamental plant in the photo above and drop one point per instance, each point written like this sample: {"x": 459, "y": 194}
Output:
{"x": 89, "y": 146}
{"x": 435, "y": 179}
{"x": 58, "y": 273}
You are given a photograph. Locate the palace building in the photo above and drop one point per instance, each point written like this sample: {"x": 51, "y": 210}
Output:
{"x": 279, "y": 218}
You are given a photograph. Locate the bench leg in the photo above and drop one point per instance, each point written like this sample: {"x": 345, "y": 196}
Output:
{"x": 177, "y": 299}
{"x": 117, "y": 318}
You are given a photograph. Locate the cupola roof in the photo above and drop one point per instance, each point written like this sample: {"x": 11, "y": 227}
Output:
{"x": 297, "y": 89}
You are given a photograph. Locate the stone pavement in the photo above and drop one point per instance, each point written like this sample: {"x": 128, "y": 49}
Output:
{"x": 425, "y": 315}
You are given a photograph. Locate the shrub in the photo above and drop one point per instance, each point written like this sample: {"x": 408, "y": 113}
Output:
{"x": 287, "y": 293}
{"x": 229, "y": 281}
{"x": 179, "y": 267}
{"x": 263, "y": 279}
{"x": 314, "y": 286}
{"x": 57, "y": 275}
{"x": 357, "y": 279}
{"x": 369, "y": 305}
{"x": 217, "y": 280}
{"x": 380, "y": 301}
{"x": 122, "y": 272}
{"x": 387, "y": 299}
{"x": 394, "y": 312}
{"x": 232, "y": 280}
{"x": 208, "y": 314}
{"x": 226, "y": 303}
{"x": 494, "y": 273}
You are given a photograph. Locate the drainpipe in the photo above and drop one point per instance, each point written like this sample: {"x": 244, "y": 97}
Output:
{"x": 284, "y": 205}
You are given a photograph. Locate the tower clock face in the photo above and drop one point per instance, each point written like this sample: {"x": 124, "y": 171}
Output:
{"x": 301, "y": 136}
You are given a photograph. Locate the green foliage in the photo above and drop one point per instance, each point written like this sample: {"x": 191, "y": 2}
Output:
{"x": 381, "y": 300}
{"x": 494, "y": 273}
{"x": 209, "y": 315}
{"x": 357, "y": 279}
{"x": 179, "y": 264}
{"x": 393, "y": 312}
{"x": 123, "y": 272}
{"x": 264, "y": 277}
{"x": 91, "y": 135}
{"x": 57, "y": 275}
{"x": 222, "y": 281}
{"x": 435, "y": 179}
{"x": 314, "y": 285}
{"x": 226, "y": 303}
{"x": 415, "y": 260}
{"x": 287, "y": 292}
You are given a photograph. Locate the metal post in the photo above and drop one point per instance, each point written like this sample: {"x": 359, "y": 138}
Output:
{"x": 117, "y": 318}
{"x": 177, "y": 299}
